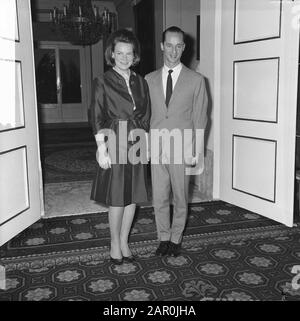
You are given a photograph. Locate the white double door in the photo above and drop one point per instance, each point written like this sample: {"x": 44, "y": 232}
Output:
{"x": 62, "y": 81}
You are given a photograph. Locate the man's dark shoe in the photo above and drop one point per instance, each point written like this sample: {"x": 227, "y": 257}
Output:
{"x": 163, "y": 248}
{"x": 174, "y": 249}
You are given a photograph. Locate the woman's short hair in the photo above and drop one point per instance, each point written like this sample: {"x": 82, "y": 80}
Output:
{"x": 126, "y": 36}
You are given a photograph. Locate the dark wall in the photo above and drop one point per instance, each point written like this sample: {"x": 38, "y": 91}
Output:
{"x": 145, "y": 32}
{"x": 125, "y": 15}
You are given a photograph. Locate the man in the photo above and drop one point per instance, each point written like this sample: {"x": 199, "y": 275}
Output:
{"x": 178, "y": 103}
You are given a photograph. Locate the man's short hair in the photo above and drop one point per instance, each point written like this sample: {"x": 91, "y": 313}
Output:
{"x": 173, "y": 29}
{"x": 126, "y": 36}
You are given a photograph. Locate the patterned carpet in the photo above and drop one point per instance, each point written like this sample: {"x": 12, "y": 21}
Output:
{"x": 92, "y": 230}
{"x": 70, "y": 198}
{"x": 228, "y": 254}
{"x": 73, "y": 198}
{"x": 68, "y": 171}
{"x": 69, "y": 162}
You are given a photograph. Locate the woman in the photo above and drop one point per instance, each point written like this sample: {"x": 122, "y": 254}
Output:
{"x": 120, "y": 106}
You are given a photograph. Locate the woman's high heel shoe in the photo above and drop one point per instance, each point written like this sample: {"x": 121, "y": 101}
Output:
{"x": 116, "y": 261}
{"x": 129, "y": 259}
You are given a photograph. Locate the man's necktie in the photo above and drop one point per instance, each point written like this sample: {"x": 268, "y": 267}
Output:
{"x": 169, "y": 87}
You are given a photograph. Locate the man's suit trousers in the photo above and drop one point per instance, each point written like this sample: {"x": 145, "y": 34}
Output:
{"x": 168, "y": 178}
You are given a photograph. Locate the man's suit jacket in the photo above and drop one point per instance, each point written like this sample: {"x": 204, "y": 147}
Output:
{"x": 187, "y": 107}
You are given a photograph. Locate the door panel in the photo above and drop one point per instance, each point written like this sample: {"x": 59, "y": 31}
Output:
{"x": 47, "y": 84}
{"x": 46, "y": 76}
{"x": 256, "y": 20}
{"x": 71, "y": 79}
{"x": 261, "y": 75}
{"x": 20, "y": 168}
{"x": 259, "y": 70}
{"x": 14, "y": 190}
{"x": 12, "y": 117}
{"x": 255, "y": 176}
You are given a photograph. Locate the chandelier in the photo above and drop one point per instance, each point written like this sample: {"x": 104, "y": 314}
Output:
{"x": 81, "y": 23}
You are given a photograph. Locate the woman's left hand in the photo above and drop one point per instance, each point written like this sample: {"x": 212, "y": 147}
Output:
{"x": 102, "y": 157}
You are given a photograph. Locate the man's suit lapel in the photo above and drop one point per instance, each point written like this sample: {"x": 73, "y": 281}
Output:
{"x": 160, "y": 88}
